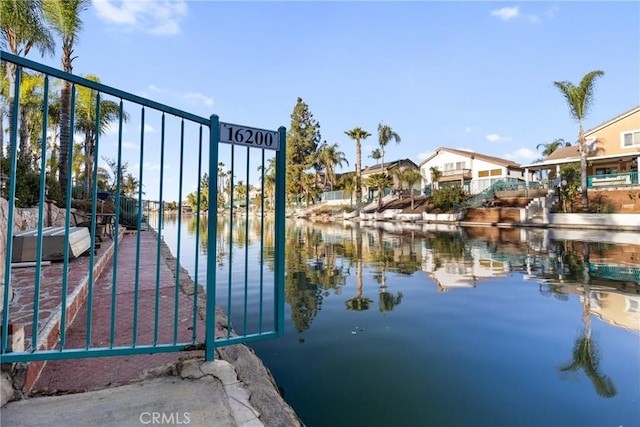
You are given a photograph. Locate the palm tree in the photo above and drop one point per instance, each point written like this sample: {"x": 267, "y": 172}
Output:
{"x": 358, "y": 134}
{"x": 86, "y": 124}
{"x": 331, "y": 157}
{"x": 376, "y": 155}
{"x": 64, "y": 17}
{"x": 386, "y": 135}
{"x": 580, "y": 98}
{"x": 348, "y": 185}
{"x": 380, "y": 181}
{"x": 22, "y": 26}
{"x": 435, "y": 176}
{"x": 553, "y": 146}
{"x": 411, "y": 176}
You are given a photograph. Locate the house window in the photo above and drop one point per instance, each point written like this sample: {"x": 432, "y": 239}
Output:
{"x": 483, "y": 174}
{"x": 606, "y": 170}
{"x": 496, "y": 172}
{"x": 448, "y": 166}
{"x": 460, "y": 165}
{"x": 630, "y": 139}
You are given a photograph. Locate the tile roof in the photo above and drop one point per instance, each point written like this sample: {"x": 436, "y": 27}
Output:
{"x": 474, "y": 155}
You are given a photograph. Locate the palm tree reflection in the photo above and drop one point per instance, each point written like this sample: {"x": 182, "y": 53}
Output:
{"x": 586, "y": 354}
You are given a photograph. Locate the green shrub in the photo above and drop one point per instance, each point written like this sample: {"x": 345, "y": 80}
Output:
{"x": 446, "y": 197}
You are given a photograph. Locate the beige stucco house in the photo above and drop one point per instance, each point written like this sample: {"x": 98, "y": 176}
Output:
{"x": 614, "y": 151}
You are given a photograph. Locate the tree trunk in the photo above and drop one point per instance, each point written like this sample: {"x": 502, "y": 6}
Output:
{"x": 65, "y": 135}
{"x": 583, "y": 170}
{"x": 358, "y": 175}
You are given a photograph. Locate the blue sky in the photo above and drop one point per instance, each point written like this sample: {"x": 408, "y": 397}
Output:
{"x": 468, "y": 75}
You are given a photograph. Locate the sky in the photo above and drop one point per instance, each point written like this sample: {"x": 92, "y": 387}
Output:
{"x": 476, "y": 76}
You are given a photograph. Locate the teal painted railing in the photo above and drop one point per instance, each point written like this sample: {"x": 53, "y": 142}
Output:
{"x": 622, "y": 179}
{"x": 169, "y": 150}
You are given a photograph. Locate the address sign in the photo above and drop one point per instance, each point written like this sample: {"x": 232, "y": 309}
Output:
{"x": 251, "y": 137}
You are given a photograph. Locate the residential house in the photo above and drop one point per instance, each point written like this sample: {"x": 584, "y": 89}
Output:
{"x": 475, "y": 172}
{"x": 391, "y": 169}
{"x": 614, "y": 151}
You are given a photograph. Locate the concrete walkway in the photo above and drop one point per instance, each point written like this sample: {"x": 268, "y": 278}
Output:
{"x": 160, "y": 389}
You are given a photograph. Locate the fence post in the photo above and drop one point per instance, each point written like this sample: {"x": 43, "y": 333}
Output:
{"x": 212, "y": 226}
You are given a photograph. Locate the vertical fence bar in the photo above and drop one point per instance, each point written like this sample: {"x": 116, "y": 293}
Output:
{"x": 94, "y": 201}
{"x": 176, "y": 306}
{"x": 281, "y": 166}
{"x": 67, "y": 222}
{"x": 41, "y": 202}
{"x": 212, "y": 227}
{"x": 246, "y": 247}
{"x": 137, "y": 275}
{"x": 13, "y": 140}
{"x": 262, "y": 186}
{"x": 231, "y": 218}
{"x": 116, "y": 229}
{"x": 194, "y": 326}
{"x": 156, "y": 310}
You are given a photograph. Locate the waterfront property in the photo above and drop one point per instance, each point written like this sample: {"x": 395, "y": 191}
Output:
{"x": 614, "y": 152}
{"x": 475, "y": 172}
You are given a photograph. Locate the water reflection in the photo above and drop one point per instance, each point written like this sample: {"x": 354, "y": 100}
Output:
{"x": 605, "y": 273}
{"x": 432, "y": 290}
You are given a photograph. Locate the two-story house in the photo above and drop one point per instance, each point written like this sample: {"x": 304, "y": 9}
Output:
{"x": 390, "y": 168}
{"x": 475, "y": 172}
{"x": 614, "y": 152}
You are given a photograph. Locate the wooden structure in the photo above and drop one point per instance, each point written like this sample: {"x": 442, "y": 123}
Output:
{"x": 53, "y": 242}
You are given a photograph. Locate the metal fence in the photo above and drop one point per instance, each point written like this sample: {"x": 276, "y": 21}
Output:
{"x": 167, "y": 155}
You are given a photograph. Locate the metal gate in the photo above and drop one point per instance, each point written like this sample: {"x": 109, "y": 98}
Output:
{"x": 126, "y": 293}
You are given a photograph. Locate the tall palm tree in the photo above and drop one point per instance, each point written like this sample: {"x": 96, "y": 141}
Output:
{"x": 358, "y": 134}
{"x": 64, "y": 17}
{"x": 331, "y": 157}
{"x": 86, "y": 112}
{"x": 22, "y": 26}
{"x": 580, "y": 98}
{"x": 385, "y": 136}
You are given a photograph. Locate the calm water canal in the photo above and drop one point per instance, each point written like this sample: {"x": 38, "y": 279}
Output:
{"x": 442, "y": 326}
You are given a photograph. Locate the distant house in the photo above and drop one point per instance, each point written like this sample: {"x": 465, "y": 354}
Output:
{"x": 390, "y": 168}
{"x": 475, "y": 172}
{"x": 614, "y": 152}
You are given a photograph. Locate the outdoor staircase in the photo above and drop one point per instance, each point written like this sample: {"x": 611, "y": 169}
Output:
{"x": 374, "y": 205}
{"x": 536, "y": 207}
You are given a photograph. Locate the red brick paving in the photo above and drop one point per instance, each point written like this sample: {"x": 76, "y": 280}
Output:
{"x": 99, "y": 372}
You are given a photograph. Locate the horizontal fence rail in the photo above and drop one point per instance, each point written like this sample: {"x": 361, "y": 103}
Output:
{"x": 86, "y": 270}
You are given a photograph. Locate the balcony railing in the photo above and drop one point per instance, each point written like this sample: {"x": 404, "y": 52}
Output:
{"x": 622, "y": 179}
{"x": 449, "y": 175}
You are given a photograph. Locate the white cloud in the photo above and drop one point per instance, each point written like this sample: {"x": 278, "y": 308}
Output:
{"x": 198, "y": 98}
{"x": 154, "y": 88}
{"x": 522, "y": 154}
{"x": 157, "y": 17}
{"x": 494, "y": 137}
{"x": 506, "y": 13}
{"x": 149, "y": 128}
{"x": 467, "y": 130}
{"x": 509, "y": 13}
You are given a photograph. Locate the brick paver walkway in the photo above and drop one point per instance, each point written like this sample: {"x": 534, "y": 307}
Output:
{"x": 94, "y": 373}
